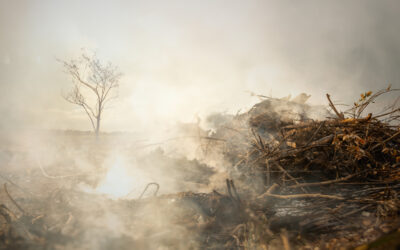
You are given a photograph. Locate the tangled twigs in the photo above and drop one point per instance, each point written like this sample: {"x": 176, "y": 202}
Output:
{"x": 290, "y": 176}
{"x": 388, "y": 139}
{"x": 315, "y": 133}
{"x": 323, "y": 182}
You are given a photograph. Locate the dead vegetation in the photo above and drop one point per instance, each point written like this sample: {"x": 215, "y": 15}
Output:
{"x": 298, "y": 183}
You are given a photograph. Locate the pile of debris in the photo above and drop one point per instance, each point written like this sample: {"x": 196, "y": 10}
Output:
{"x": 335, "y": 181}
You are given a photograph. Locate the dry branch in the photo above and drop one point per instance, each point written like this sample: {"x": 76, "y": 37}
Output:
{"x": 340, "y": 115}
{"x": 12, "y": 200}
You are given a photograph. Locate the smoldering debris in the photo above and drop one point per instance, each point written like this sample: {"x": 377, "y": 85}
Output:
{"x": 299, "y": 177}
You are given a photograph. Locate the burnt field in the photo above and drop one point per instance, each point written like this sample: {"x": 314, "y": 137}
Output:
{"x": 275, "y": 177}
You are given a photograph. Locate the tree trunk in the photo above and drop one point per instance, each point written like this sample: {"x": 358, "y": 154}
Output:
{"x": 97, "y": 131}
{"x": 98, "y": 118}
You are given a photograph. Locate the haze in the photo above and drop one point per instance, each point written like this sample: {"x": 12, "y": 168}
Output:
{"x": 181, "y": 59}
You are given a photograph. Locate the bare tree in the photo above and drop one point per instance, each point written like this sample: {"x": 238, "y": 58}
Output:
{"x": 95, "y": 84}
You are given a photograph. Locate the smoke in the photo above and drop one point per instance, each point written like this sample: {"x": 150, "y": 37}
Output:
{"x": 180, "y": 58}
{"x": 182, "y": 61}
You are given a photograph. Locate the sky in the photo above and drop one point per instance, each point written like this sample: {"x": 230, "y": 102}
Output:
{"x": 183, "y": 59}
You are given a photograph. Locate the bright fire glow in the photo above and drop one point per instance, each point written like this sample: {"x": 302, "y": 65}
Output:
{"x": 118, "y": 181}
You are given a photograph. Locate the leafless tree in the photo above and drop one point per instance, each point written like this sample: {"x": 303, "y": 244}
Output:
{"x": 95, "y": 84}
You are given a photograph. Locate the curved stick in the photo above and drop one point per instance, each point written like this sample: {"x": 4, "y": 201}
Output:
{"x": 148, "y": 185}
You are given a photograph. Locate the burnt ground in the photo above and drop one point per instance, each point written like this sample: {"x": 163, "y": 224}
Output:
{"x": 293, "y": 182}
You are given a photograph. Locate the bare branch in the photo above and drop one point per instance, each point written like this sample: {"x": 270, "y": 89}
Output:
{"x": 90, "y": 117}
{"x": 88, "y": 72}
